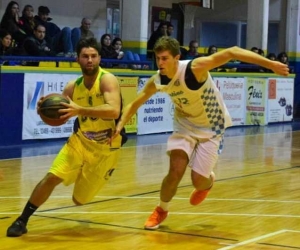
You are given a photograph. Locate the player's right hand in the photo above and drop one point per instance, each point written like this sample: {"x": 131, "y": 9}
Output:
{"x": 39, "y": 104}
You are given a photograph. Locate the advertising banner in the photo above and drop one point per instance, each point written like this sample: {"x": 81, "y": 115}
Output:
{"x": 280, "y": 99}
{"x": 256, "y": 101}
{"x": 233, "y": 93}
{"x": 156, "y": 115}
{"x": 129, "y": 91}
{"x": 35, "y": 86}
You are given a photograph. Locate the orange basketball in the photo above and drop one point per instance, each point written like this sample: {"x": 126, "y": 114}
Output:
{"x": 49, "y": 109}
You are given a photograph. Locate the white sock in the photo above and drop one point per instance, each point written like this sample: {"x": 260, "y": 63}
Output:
{"x": 164, "y": 205}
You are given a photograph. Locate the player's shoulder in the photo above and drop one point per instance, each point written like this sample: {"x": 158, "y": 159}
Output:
{"x": 107, "y": 77}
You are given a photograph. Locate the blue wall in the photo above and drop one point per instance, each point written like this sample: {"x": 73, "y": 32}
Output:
{"x": 11, "y": 108}
{"x": 224, "y": 35}
{"x": 218, "y": 34}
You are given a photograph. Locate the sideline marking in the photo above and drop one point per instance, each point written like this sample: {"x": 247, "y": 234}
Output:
{"x": 252, "y": 240}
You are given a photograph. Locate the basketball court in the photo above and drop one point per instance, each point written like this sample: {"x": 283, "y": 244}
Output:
{"x": 255, "y": 202}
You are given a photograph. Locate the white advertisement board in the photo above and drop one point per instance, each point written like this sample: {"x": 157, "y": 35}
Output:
{"x": 156, "y": 115}
{"x": 35, "y": 86}
{"x": 280, "y": 99}
{"x": 233, "y": 93}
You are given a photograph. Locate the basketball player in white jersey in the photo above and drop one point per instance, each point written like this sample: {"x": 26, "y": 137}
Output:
{"x": 200, "y": 116}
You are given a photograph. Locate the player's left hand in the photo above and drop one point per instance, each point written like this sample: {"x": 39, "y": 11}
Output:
{"x": 280, "y": 68}
{"x": 115, "y": 134}
{"x": 72, "y": 109}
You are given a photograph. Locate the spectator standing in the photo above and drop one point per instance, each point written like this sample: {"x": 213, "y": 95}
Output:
{"x": 159, "y": 32}
{"x": 170, "y": 29}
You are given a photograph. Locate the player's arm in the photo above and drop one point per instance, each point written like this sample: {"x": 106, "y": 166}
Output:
{"x": 111, "y": 108}
{"x": 69, "y": 89}
{"x": 130, "y": 109}
{"x": 110, "y": 89}
{"x": 203, "y": 64}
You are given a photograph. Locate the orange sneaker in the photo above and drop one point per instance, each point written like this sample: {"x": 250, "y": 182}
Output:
{"x": 157, "y": 217}
{"x": 197, "y": 196}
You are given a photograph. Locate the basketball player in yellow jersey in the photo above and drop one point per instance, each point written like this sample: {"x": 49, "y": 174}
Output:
{"x": 200, "y": 116}
{"x": 87, "y": 159}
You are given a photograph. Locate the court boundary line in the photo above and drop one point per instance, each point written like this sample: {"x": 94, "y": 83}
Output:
{"x": 277, "y": 245}
{"x": 245, "y": 242}
{"x": 156, "y": 191}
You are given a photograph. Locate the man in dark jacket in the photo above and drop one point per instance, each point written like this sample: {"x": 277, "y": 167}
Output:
{"x": 36, "y": 45}
{"x": 59, "y": 39}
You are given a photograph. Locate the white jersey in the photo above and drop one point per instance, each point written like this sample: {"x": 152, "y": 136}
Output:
{"x": 200, "y": 113}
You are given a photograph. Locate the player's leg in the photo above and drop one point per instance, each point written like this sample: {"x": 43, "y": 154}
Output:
{"x": 64, "y": 168}
{"x": 95, "y": 173}
{"x": 178, "y": 163}
{"x": 205, "y": 158}
{"x": 180, "y": 148}
{"x": 39, "y": 195}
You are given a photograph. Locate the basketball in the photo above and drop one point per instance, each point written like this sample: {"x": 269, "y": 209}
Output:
{"x": 49, "y": 107}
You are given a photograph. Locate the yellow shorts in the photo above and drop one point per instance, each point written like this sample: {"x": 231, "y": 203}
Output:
{"x": 87, "y": 164}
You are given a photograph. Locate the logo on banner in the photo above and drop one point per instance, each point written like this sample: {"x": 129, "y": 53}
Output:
{"x": 254, "y": 93}
{"x": 33, "y": 97}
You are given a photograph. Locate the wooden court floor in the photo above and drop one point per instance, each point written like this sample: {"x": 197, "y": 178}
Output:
{"x": 254, "y": 204}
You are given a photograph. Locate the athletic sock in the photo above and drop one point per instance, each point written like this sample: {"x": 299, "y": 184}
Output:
{"x": 164, "y": 205}
{"x": 29, "y": 209}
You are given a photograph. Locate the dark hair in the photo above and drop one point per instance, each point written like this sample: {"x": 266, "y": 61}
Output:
{"x": 162, "y": 23}
{"x": 25, "y": 8}
{"x": 4, "y": 33}
{"x": 282, "y": 54}
{"x": 166, "y": 43}
{"x": 86, "y": 43}
{"x": 102, "y": 38}
{"x": 191, "y": 42}
{"x": 254, "y": 48}
{"x": 43, "y": 10}
{"x": 117, "y": 39}
{"x": 170, "y": 25}
{"x": 7, "y": 14}
{"x": 271, "y": 55}
{"x": 210, "y": 49}
{"x": 37, "y": 25}
{"x": 261, "y": 52}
